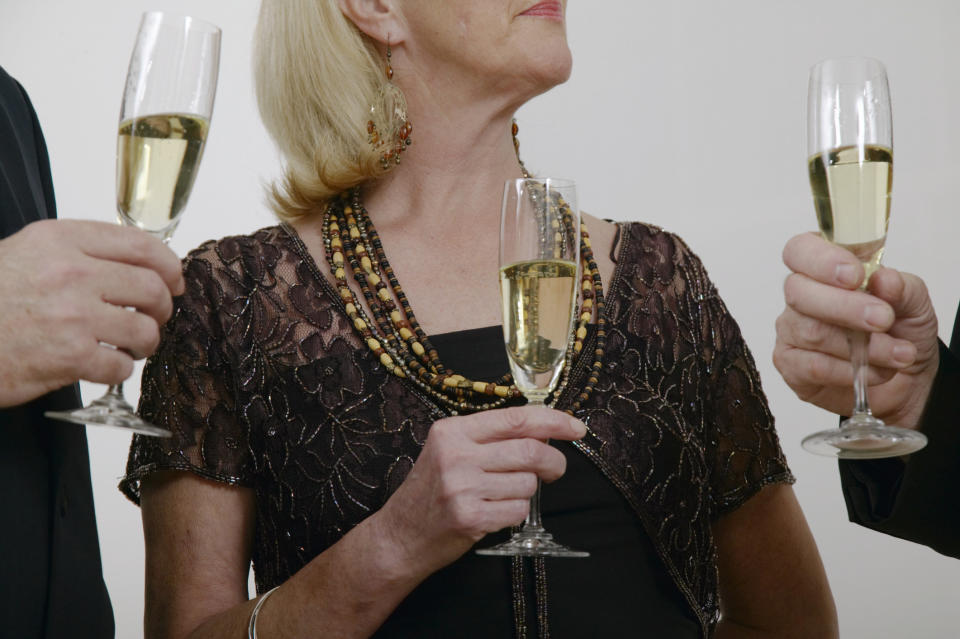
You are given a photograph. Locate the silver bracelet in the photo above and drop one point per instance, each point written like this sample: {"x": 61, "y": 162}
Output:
{"x": 252, "y": 627}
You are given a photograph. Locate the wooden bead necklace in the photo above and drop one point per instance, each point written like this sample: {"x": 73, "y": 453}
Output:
{"x": 395, "y": 336}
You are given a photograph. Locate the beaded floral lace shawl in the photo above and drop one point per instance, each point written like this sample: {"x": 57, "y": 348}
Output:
{"x": 264, "y": 384}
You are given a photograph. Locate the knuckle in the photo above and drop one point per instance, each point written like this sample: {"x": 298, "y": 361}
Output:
{"x": 560, "y": 462}
{"x": 788, "y": 366}
{"x": 439, "y": 431}
{"x": 805, "y": 393}
{"x": 448, "y": 490}
{"x": 140, "y": 242}
{"x": 67, "y": 313}
{"x": 446, "y": 464}
{"x": 786, "y": 253}
{"x": 122, "y": 369}
{"x": 441, "y": 427}
{"x": 778, "y": 358}
{"x": 790, "y": 289}
{"x": 42, "y": 229}
{"x": 812, "y": 332}
{"x": 513, "y": 418}
{"x": 165, "y": 311}
{"x": 108, "y": 366}
{"x": 529, "y": 450}
{"x": 782, "y": 324}
{"x": 78, "y": 356}
{"x": 154, "y": 288}
{"x": 65, "y": 274}
{"x": 462, "y": 518}
{"x": 444, "y": 436}
{"x": 147, "y": 335}
{"x": 518, "y": 511}
{"x": 528, "y": 484}
{"x": 816, "y": 369}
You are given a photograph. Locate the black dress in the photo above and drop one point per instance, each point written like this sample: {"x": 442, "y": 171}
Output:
{"x": 51, "y": 581}
{"x": 265, "y": 384}
{"x": 623, "y": 577}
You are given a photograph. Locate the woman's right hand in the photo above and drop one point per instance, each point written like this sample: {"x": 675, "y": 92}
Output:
{"x": 475, "y": 475}
{"x": 823, "y": 302}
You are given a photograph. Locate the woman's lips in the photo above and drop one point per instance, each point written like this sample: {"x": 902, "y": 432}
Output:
{"x": 548, "y": 9}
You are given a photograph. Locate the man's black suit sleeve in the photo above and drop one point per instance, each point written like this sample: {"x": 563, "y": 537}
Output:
{"x": 917, "y": 499}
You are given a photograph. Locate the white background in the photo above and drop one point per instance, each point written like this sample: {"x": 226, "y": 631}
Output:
{"x": 688, "y": 114}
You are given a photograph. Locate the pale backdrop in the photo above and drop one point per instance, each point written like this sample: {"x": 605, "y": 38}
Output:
{"x": 685, "y": 113}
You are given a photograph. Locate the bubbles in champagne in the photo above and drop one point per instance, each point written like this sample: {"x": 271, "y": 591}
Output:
{"x": 157, "y": 161}
{"x": 851, "y": 192}
{"x": 537, "y": 298}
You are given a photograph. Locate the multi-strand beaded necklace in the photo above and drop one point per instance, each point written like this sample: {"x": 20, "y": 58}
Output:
{"x": 351, "y": 243}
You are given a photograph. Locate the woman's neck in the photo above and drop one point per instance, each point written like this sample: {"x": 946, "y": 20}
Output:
{"x": 453, "y": 171}
{"x": 462, "y": 152}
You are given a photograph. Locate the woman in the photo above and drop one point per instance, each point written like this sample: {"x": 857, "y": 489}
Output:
{"x": 297, "y": 421}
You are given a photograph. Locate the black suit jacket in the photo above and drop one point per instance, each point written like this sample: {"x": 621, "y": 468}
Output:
{"x": 51, "y": 581}
{"x": 919, "y": 499}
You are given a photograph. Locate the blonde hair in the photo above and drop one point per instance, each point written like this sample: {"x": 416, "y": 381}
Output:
{"x": 319, "y": 81}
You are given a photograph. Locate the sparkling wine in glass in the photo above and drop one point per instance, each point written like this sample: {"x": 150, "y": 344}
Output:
{"x": 539, "y": 258}
{"x": 850, "y": 149}
{"x": 164, "y": 118}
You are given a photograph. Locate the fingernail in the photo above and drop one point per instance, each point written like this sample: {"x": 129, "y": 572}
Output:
{"x": 903, "y": 354}
{"x": 846, "y": 274}
{"x": 877, "y": 316}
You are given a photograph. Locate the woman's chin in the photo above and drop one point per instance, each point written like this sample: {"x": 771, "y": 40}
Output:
{"x": 553, "y": 71}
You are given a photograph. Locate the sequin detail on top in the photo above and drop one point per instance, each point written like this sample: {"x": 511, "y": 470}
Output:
{"x": 265, "y": 384}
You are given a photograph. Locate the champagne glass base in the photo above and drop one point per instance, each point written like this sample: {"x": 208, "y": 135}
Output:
{"x": 109, "y": 410}
{"x": 864, "y": 437}
{"x": 531, "y": 543}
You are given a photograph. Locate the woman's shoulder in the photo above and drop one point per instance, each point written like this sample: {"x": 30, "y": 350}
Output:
{"x": 231, "y": 248}
{"x": 646, "y": 240}
{"x": 647, "y": 249}
{"x": 235, "y": 265}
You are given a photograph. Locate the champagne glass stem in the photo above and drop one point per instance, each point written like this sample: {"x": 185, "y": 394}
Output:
{"x": 859, "y": 349}
{"x": 533, "y": 517}
{"x": 533, "y": 522}
{"x": 115, "y": 391}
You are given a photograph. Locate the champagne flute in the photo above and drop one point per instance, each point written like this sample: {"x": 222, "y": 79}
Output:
{"x": 164, "y": 118}
{"x": 850, "y": 148}
{"x": 539, "y": 257}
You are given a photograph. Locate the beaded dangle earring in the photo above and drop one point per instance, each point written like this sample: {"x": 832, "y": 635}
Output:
{"x": 391, "y": 100}
{"x": 514, "y": 129}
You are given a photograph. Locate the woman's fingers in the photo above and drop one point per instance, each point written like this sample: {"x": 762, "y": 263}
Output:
{"x": 508, "y": 486}
{"x": 536, "y": 422}
{"x": 527, "y": 455}
{"x": 503, "y": 513}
